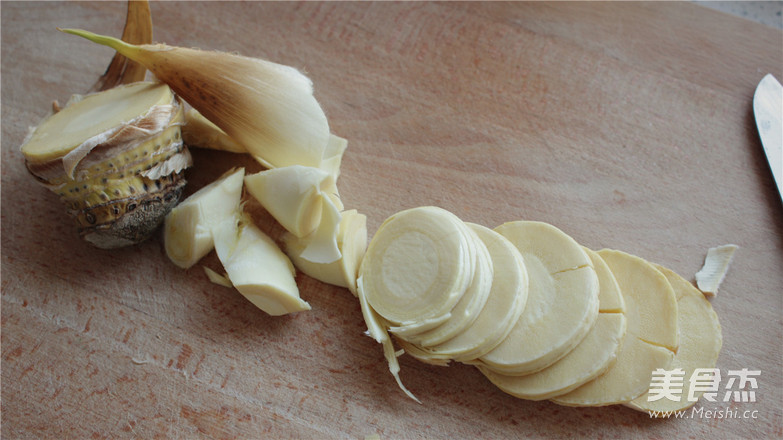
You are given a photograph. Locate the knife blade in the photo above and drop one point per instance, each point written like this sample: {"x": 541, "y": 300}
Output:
{"x": 768, "y": 110}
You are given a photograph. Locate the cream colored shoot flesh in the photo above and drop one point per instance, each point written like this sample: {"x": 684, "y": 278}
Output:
{"x": 187, "y": 231}
{"x": 258, "y": 269}
{"x": 562, "y": 300}
{"x": 504, "y": 306}
{"x": 411, "y": 330}
{"x": 470, "y": 305}
{"x": 417, "y": 265}
{"x": 700, "y": 341}
{"x": 592, "y": 357}
{"x": 716, "y": 265}
{"x": 333, "y": 156}
{"x": 376, "y": 331}
{"x": 292, "y": 195}
{"x": 200, "y": 132}
{"x": 651, "y": 337}
{"x": 322, "y": 246}
{"x": 610, "y": 299}
{"x": 92, "y": 116}
{"x": 220, "y": 280}
{"x": 352, "y": 244}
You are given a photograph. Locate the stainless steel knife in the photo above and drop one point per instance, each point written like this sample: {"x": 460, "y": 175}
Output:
{"x": 768, "y": 109}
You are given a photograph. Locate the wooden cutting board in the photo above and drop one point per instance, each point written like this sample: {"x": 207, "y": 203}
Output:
{"x": 627, "y": 125}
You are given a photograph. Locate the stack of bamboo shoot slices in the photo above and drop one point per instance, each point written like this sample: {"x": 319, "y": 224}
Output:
{"x": 591, "y": 358}
{"x": 514, "y": 300}
{"x": 507, "y": 299}
{"x": 419, "y": 266}
{"x": 555, "y": 320}
{"x": 562, "y": 303}
{"x": 651, "y": 339}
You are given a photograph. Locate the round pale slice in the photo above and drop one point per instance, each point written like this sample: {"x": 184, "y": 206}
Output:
{"x": 623, "y": 381}
{"x": 417, "y": 266}
{"x": 504, "y": 306}
{"x": 650, "y": 340}
{"x": 592, "y": 357}
{"x": 610, "y": 299}
{"x": 467, "y": 309}
{"x": 410, "y": 330}
{"x": 562, "y": 301}
{"x": 700, "y": 344}
{"x": 93, "y": 115}
{"x": 648, "y": 294}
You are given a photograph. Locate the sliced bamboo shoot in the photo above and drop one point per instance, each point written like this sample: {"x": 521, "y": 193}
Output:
{"x": 625, "y": 380}
{"x": 592, "y": 357}
{"x": 333, "y": 156}
{"x": 220, "y": 280}
{"x": 332, "y": 160}
{"x": 322, "y": 246}
{"x": 93, "y": 120}
{"x": 377, "y": 331}
{"x": 562, "y": 300}
{"x": 417, "y": 266}
{"x": 116, "y": 160}
{"x": 292, "y": 195}
{"x": 700, "y": 343}
{"x": 329, "y": 189}
{"x": 187, "y": 232}
{"x": 651, "y": 337}
{"x": 504, "y": 306}
{"x": 468, "y": 308}
{"x": 649, "y": 295}
{"x": 200, "y": 132}
{"x": 257, "y": 268}
{"x": 352, "y": 244}
{"x": 610, "y": 299}
{"x": 410, "y": 330}
{"x": 419, "y": 353}
{"x": 129, "y": 150}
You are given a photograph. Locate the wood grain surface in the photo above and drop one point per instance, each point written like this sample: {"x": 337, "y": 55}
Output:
{"x": 627, "y": 125}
